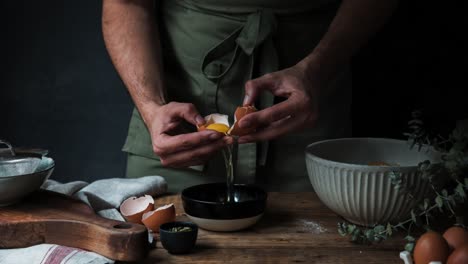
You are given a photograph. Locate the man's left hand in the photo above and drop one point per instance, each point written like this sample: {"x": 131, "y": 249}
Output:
{"x": 300, "y": 109}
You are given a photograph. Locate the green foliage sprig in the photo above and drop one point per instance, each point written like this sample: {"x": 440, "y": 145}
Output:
{"x": 448, "y": 181}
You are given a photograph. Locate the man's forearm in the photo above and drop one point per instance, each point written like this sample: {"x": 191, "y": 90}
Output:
{"x": 132, "y": 40}
{"x": 355, "y": 22}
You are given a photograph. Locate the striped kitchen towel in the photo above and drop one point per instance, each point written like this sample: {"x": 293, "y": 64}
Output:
{"x": 105, "y": 197}
{"x": 51, "y": 254}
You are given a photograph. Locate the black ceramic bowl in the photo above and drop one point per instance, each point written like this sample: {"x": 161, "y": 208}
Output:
{"x": 178, "y": 242}
{"x": 206, "y": 205}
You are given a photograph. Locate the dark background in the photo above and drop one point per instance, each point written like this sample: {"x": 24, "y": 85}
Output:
{"x": 60, "y": 91}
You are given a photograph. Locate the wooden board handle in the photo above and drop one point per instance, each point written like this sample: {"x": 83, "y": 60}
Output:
{"x": 56, "y": 219}
{"x": 123, "y": 241}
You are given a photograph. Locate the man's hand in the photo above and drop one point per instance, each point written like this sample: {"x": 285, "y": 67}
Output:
{"x": 297, "y": 111}
{"x": 132, "y": 39}
{"x": 182, "y": 150}
{"x": 354, "y": 23}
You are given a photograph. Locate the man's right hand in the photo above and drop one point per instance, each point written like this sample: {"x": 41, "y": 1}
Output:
{"x": 181, "y": 150}
{"x": 131, "y": 36}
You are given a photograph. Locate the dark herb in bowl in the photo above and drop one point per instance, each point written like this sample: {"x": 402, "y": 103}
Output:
{"x": 181, "y": 229}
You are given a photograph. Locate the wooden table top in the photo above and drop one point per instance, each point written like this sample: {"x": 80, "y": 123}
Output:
{"x": 296, "y": 228}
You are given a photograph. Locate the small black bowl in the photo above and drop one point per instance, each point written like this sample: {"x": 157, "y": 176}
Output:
{"x": 206, "y": 205}
{"x": 178, "y": 242}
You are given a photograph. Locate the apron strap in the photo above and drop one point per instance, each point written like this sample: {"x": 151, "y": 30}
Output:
{"x": 256, "y": 30}
{"x": 223, "y": 62}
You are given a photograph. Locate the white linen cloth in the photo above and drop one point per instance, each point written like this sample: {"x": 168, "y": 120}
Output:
{"x": 105, "y": 197}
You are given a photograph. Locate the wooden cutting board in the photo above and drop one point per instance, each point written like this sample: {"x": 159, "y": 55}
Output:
{"x": 48, "y": 217}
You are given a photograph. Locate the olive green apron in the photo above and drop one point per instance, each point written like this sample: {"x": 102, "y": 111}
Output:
{"x": 210, "y": 49}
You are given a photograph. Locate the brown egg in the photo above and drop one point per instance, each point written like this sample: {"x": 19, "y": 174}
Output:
{"x": 164, "y": 214}
{"x": 133, "y": 208}
{"x": 431, "y": 246}
{"x": 238, "y": 115}
{"x": 459, "y": 256}
{"x": 456, "y": 236}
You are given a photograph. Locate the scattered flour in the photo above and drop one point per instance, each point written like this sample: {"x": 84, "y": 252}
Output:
{"x": 312, "y": 227}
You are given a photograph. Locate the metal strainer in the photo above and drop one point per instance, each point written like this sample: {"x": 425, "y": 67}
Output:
{"x": 22, "y": 171}
{"x": 23, "y": 162}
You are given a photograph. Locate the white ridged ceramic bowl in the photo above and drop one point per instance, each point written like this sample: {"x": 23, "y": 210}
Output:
{"x": 344, "y": 181}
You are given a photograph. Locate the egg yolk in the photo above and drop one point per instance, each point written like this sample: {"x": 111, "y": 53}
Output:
{"x": 218, "y": 127}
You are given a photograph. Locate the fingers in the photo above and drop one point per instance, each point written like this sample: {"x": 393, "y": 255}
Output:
{"x": 165, "y": 144}
{"x": 254, "y": 87}
{"x": 266, "y": 116}
{"x": 183, "y": 150}
{"x": 269, "y": 115}
{"x": 194, "y": 156}
{"x": 168, "y": 120}
{"x": 303, "y": 114}
{"x": 276, "y": 129}
{"x": 185, "y": 111}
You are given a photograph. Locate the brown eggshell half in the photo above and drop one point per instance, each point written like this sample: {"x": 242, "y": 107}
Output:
{"x": 133, "y": 208}
{"x": 164, "y": 214}
{"x": 238, "y": 115}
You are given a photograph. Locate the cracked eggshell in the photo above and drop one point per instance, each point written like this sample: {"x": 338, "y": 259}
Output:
{"x": 164, "y": 214}
{"x": 238, "y": 115}
{"x": 133, "y": 208}
{"x": 216, "y": 122}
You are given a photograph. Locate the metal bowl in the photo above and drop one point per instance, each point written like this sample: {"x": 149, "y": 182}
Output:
{"x": 22, "y": 171}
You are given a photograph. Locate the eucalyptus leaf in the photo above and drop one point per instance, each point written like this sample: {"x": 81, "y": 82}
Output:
{"x": 459, "y": 190}
{"x": 426, "y": 204}
{"x": 409, "y": 247}
{"x": 342, "y": 229}
{"x": 389, "y": 229}
{"x": 369, "y": 234}
{"x": 342, "y": 232}
{"x": 356, "y": 234}
{"x": 421, "y": 207}
{"x": 439, "y": 202}
{"x": 413, "y": 217}
{"x": 379, "y": 229}
{"x": 444, "y": 193}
